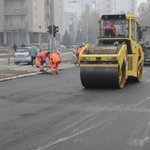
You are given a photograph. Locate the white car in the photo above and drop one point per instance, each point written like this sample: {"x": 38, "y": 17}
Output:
{"x": 76, "y": 45}
{"x": 22, "y": 55}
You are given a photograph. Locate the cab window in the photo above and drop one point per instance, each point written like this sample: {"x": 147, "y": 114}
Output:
{"x": 133, "y": 29}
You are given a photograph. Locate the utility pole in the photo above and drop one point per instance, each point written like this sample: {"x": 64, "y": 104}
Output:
{"x": 40, "y": 37}
{"x": 52, "y": 23}
{"x": 87, "y": 25}
{"x": 48, "y": 3}
{"x": 11, "y": 36}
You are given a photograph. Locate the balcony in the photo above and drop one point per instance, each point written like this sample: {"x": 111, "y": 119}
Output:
{"x": 16, "y": 26}
{"x": 15, "y": 11}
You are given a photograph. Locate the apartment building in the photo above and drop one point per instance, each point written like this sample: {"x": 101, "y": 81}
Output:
{"x": 128, "y": 6}
{"x": 105, "y": 6}
{"x": 117, "y": 6}
{"x": 71, "y": 23}
{"x": 26, "y": 21}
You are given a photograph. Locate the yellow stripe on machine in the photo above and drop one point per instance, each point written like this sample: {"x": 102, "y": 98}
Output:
{"x": 98, "y": 65}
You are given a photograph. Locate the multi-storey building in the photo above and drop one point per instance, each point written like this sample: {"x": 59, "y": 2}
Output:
{"x": 71, "y": 13}
{"x": 105, "y": 6}
{"x": 26, "y": 21}
{"x": 71, "y": 23}
{"x": 133, "y": 6}
{"x": 117, "y": 6}
{"x": 128, "y": 6}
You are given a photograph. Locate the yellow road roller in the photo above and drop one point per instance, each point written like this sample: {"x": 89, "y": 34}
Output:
{"x": 118, "y": 55}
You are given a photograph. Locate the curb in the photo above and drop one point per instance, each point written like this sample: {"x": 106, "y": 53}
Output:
{"x": 27, "y": 75}
{"x": 19, "y": 76}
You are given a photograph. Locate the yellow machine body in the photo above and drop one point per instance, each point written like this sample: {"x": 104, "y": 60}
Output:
{"x": 114, "y": 59}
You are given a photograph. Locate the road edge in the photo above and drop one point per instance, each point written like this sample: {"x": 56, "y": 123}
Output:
{"x": 27, "y": 75}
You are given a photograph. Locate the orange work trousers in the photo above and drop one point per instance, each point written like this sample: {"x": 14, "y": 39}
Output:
{"x": 53, "y": 66}
{"x": 41, "y": 62}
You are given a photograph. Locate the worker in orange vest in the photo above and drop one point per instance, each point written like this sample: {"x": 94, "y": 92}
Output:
{"x": 41, "y": 57}
{"x": 55, "y": 60}
{"x": 110, "y": 30}
{"x": 78, "y": 52}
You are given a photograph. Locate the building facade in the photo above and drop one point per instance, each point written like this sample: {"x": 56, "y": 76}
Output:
{"x": 71, "y": 23}
{"x": 117, "y": 6}
{"x": 128, "y": 6}
{"x": 71, "y": 13}
{"x": 26, "y": 21}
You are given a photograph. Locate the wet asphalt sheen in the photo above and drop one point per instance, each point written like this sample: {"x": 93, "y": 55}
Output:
{"x": 54, "y": 112}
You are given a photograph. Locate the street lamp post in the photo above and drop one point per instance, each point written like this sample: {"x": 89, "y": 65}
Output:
{"x": 52, "y": 23}
{"x": 40, "y": 36}
{"x": 11, "y": 37}
{"x": 87, "y": 25}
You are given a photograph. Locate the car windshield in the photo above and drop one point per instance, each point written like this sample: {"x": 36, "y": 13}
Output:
{"x": 114, "y": 28}
{"x": 22, "y": 50}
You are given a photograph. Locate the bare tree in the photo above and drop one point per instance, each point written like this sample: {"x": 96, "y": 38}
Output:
{"x": 144, "y": 13}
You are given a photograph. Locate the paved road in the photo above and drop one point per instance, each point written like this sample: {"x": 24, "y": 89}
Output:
{"x": 45, "y": 112}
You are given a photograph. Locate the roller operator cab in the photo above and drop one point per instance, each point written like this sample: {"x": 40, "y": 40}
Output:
{"x": 117, "y": 56}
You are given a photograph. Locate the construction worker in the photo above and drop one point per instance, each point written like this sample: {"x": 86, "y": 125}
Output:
{"x": 41, "y": 57}
{"x": 78, "y": 52}
{"x": 55, "y": 60}
{"x": 110, "y": 29}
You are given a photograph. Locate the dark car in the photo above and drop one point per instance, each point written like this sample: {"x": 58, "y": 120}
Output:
{"x": 76, "y": 45}
{"x": 146, "y": 55}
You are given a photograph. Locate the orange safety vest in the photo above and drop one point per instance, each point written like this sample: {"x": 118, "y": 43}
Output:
{"x": 110, "y": 26}
{"x": 42, "y": 55}
{"x": 80, "y": 49}
{"x": 54, "y": 58}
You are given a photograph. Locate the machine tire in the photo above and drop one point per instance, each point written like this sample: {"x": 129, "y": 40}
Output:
{"x": 122, "y": 76}
{"x": 139, "y": 74}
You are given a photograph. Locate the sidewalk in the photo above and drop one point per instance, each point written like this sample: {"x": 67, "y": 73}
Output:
{"x": 24, "y": 71}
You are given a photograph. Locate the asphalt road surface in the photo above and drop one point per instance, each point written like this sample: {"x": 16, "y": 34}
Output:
{"x": 54, "y": 112}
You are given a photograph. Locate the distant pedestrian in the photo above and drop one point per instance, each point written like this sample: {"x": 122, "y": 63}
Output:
{"x": 15, "y": 47}
{"x": 79, "y": 49}
{"x": 33, "y": 53}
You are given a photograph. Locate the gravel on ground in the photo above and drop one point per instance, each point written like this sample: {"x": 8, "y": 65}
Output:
{"x": 12, "y": 73}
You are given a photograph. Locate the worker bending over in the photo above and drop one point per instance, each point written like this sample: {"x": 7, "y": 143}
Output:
{"x": 41, "y": 57}
{"x": 55, "y": 60}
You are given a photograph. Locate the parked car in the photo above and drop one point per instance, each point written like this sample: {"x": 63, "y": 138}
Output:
{"x": 22, "y": 55}
{"x": 76, "y": 45}
{"x": 146, "y": 55}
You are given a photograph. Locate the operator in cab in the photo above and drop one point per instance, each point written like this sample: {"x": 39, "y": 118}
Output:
{"x": 110, "y": 30}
